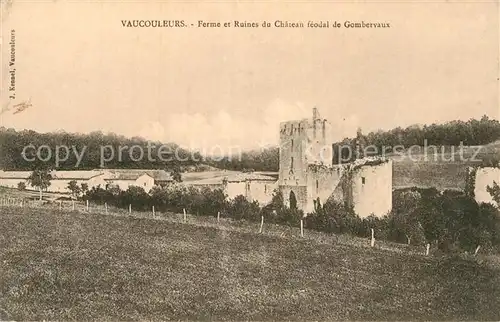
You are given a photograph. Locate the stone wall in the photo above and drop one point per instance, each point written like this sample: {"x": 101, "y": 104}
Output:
{"x": 253, "y": 190}
{"x": 300, "y": 193}
{"x": 322, "y": 181}
{"x": 372, "y": 189}
{"x": 261, "y": 191}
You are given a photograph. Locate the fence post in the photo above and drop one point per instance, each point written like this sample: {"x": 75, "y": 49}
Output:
{"x": 73, "y": 204}
{"x": 60, "y": 204}
{"x": 302, "y": 227}
{"x": 106, "y": 208}
{"x": 427, "y": 249}
{"x": 184, "y": 211}
{"x": 373, "y": 238}
{"x": 261, "y": 223}
{"x": 129, "y": 208}
{"x": 218, "y": 216}
{"x": 153, "y": 211}
{"x": 87, "y": 205}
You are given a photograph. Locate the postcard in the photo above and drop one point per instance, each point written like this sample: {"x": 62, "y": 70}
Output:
{"x": 249, "y": 160}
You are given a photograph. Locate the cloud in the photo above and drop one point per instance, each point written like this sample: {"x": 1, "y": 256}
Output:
{"x": 224, "y": 133}
{"x": 153, "y": 131}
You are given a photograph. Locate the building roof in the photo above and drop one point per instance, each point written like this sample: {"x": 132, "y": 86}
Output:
{"x": 75, "y": 175}
{"x": 121, "y": 174}
{"x": 133, "y": 174}
{"x": 249, "y": 176}
{"x": 237, "y": 177}
{"x": 160, "y": 175}
{"x": 197, "y": 176}
{"x": 56, "y": 175}
{"x": 14, "y": 174}
{"x": 207, "y": 181}
{"x": 125, "y": 176}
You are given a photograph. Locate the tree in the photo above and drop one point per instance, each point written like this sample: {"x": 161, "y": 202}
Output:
{"x": 404, "y": 219}
{"x": 277, "y": 201}
{"x": 21, "y": 186}
{"x": 74, "y": 188}
{"x": 40, "y": 179}
{"x": 241, "y": 208}
{"x": 84, "y": 188}
{"x": 293, "y": 201}
{"x": 407, "y": 225}
{"x": 135, "y": 196}
{"x": 176, "y": 174}
{"x": 494, "y": 191}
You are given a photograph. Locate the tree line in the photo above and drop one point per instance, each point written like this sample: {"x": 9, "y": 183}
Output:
{"x": 451, "y": 220}
{"x": 93, "y": 147}
{"x": 12, "y": 142}
{"x": 453, "y": 133}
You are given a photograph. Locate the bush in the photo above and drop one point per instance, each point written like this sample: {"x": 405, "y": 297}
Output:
{"x": 276, "y": 212}
{"x": 206, "y": 202}
{"x": 136, "y": 197}
{"x": 334, "y": 217}
{"x": 241, "y": 208}
{"x": 100, "y": 195}
{"x": 452, "y": 219}
{"x": 21, "y": 186}
{"x": 404, "y": 227}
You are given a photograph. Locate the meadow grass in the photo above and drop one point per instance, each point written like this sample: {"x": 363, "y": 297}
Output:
{"x": 63, "y": 265}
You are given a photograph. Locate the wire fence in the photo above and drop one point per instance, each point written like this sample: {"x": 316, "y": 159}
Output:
{"x": 219, "y": 222}
{"x": 78, "y": 206}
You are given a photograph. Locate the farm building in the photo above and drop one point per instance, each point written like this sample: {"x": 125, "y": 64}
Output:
{"x": 123, "y": 178}
{"x": 254, "y": 187}
{"x": 61, "y": 179}
{"x": 11, "y": 179}
{"x": 147, "y": 179}
{"x": 59, "y": 182}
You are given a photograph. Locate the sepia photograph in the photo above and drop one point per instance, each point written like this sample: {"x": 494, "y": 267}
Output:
{"x": 249, "y": 160}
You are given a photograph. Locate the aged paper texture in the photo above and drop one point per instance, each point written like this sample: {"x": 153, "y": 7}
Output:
{"x": 240, "y": 160}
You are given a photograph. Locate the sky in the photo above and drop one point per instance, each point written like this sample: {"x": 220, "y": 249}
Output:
{"x": 199, "y": 87}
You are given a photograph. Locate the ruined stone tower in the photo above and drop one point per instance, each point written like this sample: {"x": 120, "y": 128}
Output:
{"x": 308, "y": 177}
{"x": 303, "y": 143}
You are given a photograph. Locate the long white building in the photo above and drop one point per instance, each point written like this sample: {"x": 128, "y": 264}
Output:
{"x": 122, "y": 178}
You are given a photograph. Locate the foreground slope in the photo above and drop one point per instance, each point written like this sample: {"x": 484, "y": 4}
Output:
{"x": 88, "y": 266}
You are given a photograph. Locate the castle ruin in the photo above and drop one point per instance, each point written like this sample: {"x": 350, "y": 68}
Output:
{"x": 308, "y": 177}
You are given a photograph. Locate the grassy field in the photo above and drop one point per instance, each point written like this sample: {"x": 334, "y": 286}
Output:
{"x": 60, "y": 265}
{"x": 425, "y": 174}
